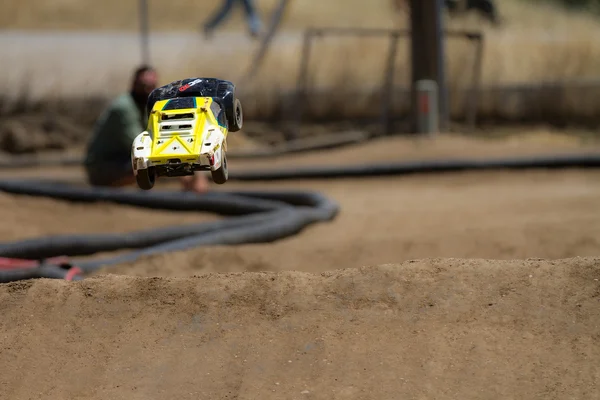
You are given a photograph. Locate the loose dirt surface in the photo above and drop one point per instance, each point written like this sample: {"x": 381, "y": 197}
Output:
{"x": 471, "y": 285}
{"x": 27, "y": 217}
{"x": 487, "y": 215}
{"x": 443, "y": 329}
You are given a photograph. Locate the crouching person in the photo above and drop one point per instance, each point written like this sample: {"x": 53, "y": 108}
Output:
{"x": 108, "y": 156}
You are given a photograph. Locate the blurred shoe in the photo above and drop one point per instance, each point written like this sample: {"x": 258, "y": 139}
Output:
{"x": 255, "y": 27}
{"x": 197, "y": 183}
{"x": 208, "y": 32}
{"x": 255, "y": 34}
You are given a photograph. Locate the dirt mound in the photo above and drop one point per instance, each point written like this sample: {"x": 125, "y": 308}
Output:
{"x": 437, "y": 328}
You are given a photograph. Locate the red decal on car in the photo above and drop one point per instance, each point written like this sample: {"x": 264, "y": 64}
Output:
{"x": 188, "y": 85}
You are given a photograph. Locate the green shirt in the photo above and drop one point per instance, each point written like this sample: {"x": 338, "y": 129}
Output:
{"x": 115, "y": 131}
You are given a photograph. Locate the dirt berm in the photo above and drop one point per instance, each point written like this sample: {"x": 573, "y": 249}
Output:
{"x": 429, "y": 329}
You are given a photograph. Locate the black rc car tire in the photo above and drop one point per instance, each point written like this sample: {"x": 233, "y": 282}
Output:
{"x": 220, "y": 175}
{"x": 146, "y": 178}
{"x": 236, "y": 117}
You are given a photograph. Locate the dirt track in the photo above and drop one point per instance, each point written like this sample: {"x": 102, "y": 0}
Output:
{"x": 444, "y": 329}
{"x": 431, "y": 328}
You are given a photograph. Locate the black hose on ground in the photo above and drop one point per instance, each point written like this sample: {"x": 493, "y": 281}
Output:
{"x": 578, "y": 160}
{"x": 256, "y": 216}
{"x": 43, "y": 271}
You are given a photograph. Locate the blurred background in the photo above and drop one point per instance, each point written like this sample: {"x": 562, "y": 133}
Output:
{"x": 452, "y": 321}
{"x": 536, "y": 62}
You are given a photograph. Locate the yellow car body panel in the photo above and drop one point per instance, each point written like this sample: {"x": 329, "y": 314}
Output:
{"x": 184, "y": 135}
{"x": 186, "y": 139}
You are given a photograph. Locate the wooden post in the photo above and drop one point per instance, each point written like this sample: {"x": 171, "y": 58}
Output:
{"x": 427, "y": 55}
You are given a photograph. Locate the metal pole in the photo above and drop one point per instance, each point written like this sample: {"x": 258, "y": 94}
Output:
{"x": 427, "y": 55}
{"x": 266, "y": 41}
{"x": 440, "y": 39}
{"x": 298, "y": 104}
{"x": 144, "y": 31}
{"x": 428, "y": 97}
{"x": 388, "y": 85}
{"x": 473, "y": 98}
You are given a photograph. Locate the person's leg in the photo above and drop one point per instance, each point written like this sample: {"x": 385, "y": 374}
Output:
{"x": 124, "y": 181}
{"x": 488, "y": 9}
{"x": 452, "y": 6}
{"x": 254, "y": 22}
{"x": 219, "y": 16}
{"x": 110, "y": 174}
{"x": 197, "y": 183}
{"x": 121, "y": 174}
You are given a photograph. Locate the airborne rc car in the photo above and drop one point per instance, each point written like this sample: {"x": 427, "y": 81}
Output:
{"x": 188, "y": 123}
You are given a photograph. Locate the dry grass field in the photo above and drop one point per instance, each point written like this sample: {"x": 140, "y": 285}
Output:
{"x": 536, "y": 44}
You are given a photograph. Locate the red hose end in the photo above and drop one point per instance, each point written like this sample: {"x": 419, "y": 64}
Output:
{"x": 72, "y": 273}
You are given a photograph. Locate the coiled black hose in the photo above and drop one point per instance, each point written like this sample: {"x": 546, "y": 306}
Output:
{"x": 256, "y": 216}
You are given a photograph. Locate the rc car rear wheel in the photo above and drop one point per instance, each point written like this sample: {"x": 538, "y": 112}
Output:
{"x": 236, "y": 120}
{"x": 220, "y": 175}
{"x": 146, "y": 178}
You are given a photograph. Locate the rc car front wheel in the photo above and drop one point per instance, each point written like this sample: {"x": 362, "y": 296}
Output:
{"x": 237, "y": 118}
{"x": 146, "y": 178}
{"x": 220, "y": 175}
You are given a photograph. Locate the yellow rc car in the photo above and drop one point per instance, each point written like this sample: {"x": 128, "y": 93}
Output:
{"x": 187, "y": 130}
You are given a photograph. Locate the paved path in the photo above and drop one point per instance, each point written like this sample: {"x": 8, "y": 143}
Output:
{"x": 100, "y": 62}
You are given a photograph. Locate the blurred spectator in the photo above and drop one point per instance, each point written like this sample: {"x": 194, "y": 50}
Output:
{"x": 108, "y": 157}
{"x": 486, "y": 8}
{"x": 252, "y": 17}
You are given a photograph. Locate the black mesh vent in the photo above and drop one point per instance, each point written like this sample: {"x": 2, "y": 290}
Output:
{"x": 221, "y": 89}
{"x": 180, "y": 102}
